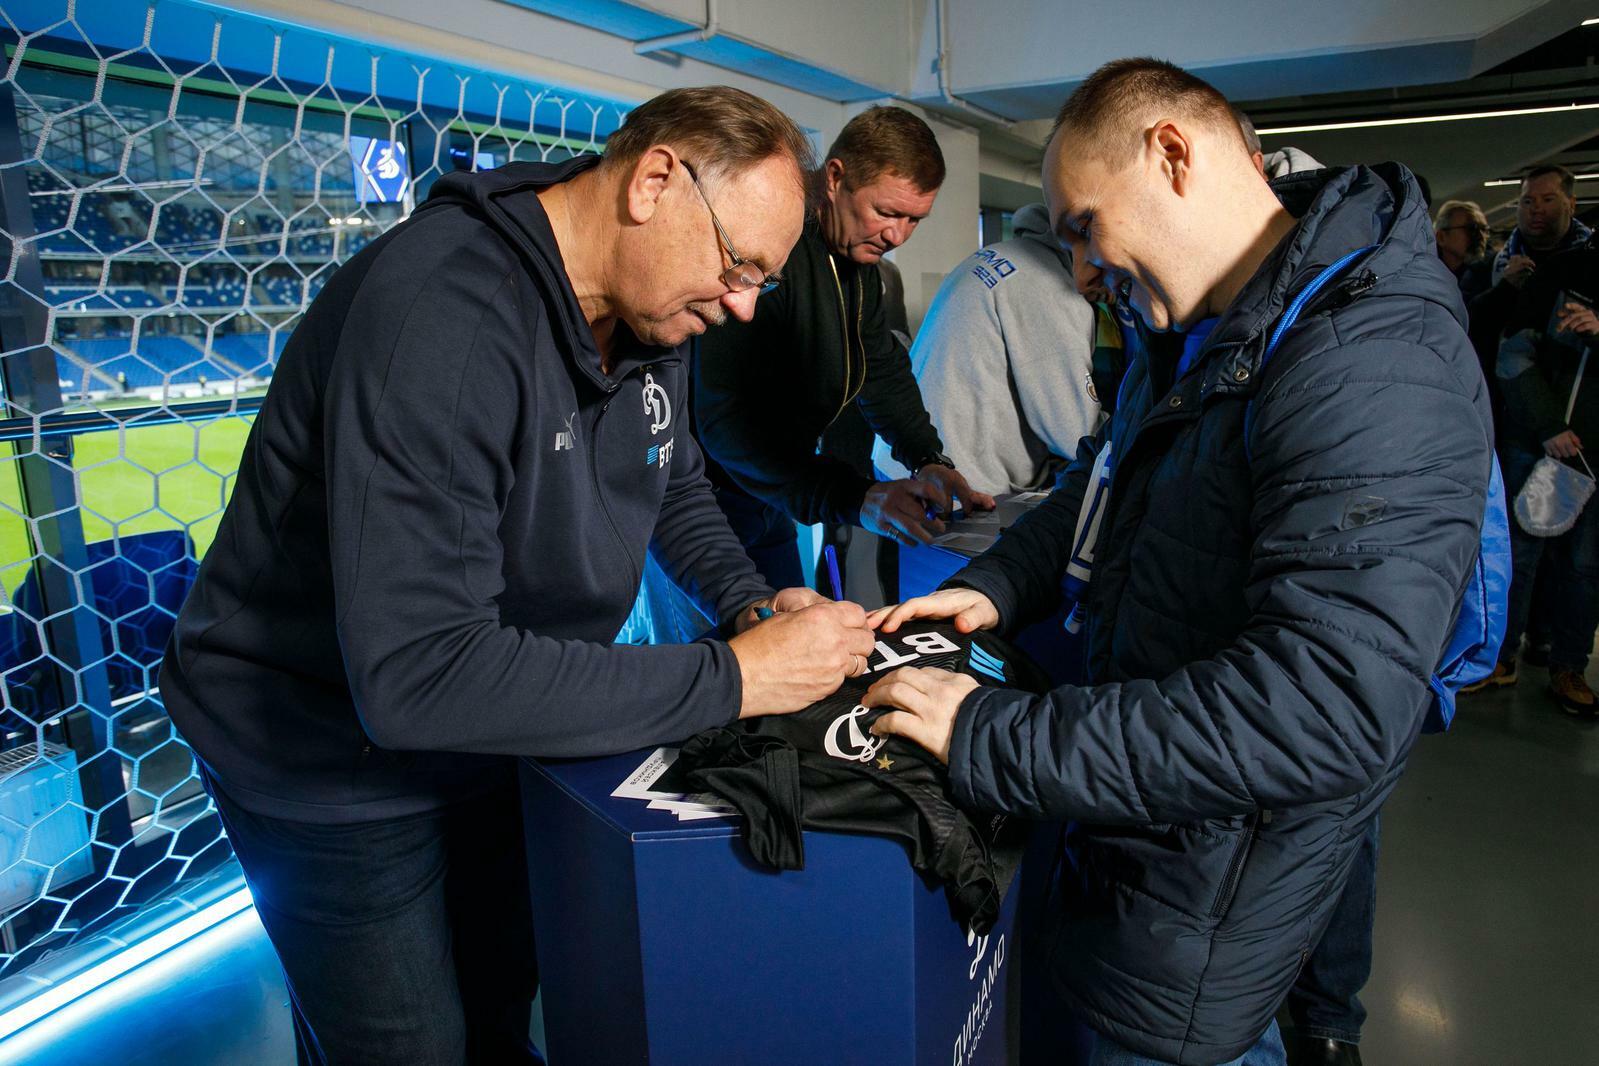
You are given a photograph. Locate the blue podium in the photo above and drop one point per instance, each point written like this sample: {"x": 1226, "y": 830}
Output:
{"x": 1039, "y": 1034}
{"x": 662, "y": 942}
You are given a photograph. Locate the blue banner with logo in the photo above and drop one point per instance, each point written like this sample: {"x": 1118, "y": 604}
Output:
{"x": 381, "y": 171}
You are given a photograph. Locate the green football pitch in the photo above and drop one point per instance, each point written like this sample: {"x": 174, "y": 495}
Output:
{"x": 136, "y": 481}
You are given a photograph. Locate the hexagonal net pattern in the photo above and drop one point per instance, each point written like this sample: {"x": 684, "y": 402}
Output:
{"x": 176, "y": 186}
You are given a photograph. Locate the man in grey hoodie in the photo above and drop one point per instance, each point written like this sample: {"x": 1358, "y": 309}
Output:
{"x": 1004, "y": 359}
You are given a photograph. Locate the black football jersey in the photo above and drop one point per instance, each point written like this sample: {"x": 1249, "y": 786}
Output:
{"x": 821, "y": 768}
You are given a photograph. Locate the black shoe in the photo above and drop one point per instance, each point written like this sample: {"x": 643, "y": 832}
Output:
{"x": 1319, "y": 1051}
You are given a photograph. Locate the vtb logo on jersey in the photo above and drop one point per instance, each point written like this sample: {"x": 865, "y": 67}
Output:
{"x": 659, "y": 454}
{"x": 657, "y": 405}
{"x": 855, "y": 744}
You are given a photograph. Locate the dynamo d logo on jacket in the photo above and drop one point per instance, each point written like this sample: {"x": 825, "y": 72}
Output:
{"x": 658, "y": 412}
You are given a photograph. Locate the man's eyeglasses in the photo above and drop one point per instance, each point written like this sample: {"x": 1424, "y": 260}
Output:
{"x": 742, "y": 275}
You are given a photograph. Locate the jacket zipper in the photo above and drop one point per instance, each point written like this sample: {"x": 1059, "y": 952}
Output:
{"x": 1235, "y": 867}
{"x": 843, "y": 316}
{"x": 594, "y": 474}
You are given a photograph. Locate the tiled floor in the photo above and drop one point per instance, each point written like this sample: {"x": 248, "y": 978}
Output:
{"x": 1487, "y": 943}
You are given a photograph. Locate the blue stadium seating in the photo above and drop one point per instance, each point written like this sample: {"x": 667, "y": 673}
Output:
{"x": 150, "y": 363}
{"x": 249, "y": 350}
{"x": 80, "y": 299}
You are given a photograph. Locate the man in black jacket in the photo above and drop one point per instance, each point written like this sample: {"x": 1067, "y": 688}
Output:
{"x": 439, "y": 524}
{"x": 1546, "y": 226}
{"x": 765, "y": 390}
{"x": 1550, "y": 412}
{"x": 1280, "y": 554}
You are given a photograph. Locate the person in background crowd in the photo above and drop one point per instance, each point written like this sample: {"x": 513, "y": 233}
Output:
{"x": 766, "y": 390}
{"x": 849, "y": 440}
{"x": 1004, "y": 360}
{"x": 1462, "y": 232}
{"x": 1281, "y": 555}
{"x": 471, "y": 439}
{"x": 1545, "y": 225}
{"x": 1551, "y": 331}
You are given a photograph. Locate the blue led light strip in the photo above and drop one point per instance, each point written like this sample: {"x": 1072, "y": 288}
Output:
{"x": 103, "y": 973}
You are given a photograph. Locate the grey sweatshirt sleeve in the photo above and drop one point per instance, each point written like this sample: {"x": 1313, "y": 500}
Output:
{"x": 1004, "y": 367}
{"x": 959, "y": 360}
{"x": 1051, "y": 373}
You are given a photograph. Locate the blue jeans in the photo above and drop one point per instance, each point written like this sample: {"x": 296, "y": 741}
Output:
{"x": 1268, "y": 1051}
{"x": 408, "y": 940}
{"x": 1572, "y": 580}
{"x": 1325, "y": 1001}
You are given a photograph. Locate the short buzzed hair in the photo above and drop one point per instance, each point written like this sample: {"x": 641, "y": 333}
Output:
{"x": 1105, "y": 110}
{"x": 719, "y": 130}
{"x": 1568, "y": 180}
{"x": 889, "y": 140}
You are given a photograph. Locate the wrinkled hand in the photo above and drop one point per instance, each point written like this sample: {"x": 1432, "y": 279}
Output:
{"x": 1518, "y": 269}
{"x": 898, "y": 510}
{"x": 797, "y": 657}
{"x": 951, "y": 485}
{"x": 1563, "y": 445}
{"x": 1577, "y": 318}
{"x": 794, "y": 599}
{"x": 970, "y": 609}
{"x": 927, "y": 700}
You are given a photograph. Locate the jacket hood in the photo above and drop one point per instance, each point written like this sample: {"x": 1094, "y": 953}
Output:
{"x": 1340, "y": 210}
{"x": 506, "y": 200}
{"x": 1032, "y": 223}
{"x": 1288, "y": 160}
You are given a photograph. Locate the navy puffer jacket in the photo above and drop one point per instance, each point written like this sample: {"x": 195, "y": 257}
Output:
{"x": 1268, "y": 601}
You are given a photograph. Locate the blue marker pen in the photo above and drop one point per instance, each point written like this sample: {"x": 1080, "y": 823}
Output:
{"x": 830, "y": 553}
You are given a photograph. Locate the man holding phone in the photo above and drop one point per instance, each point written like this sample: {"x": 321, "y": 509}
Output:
{"x": 1545, "y": 226}
{"x": 1546, "y": 371}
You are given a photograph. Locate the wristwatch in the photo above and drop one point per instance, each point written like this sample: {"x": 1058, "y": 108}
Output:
{"x": 933, "y": 459}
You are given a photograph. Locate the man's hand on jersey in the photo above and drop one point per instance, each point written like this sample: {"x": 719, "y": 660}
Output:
{"x": 792, "y": 599}
{"x": 898, "y": 510}
{"x": 970, "y": 609}
{"x": 927, "y": 700}
{"x": 952, "y": 485}
{"x": 797, "y": 657}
